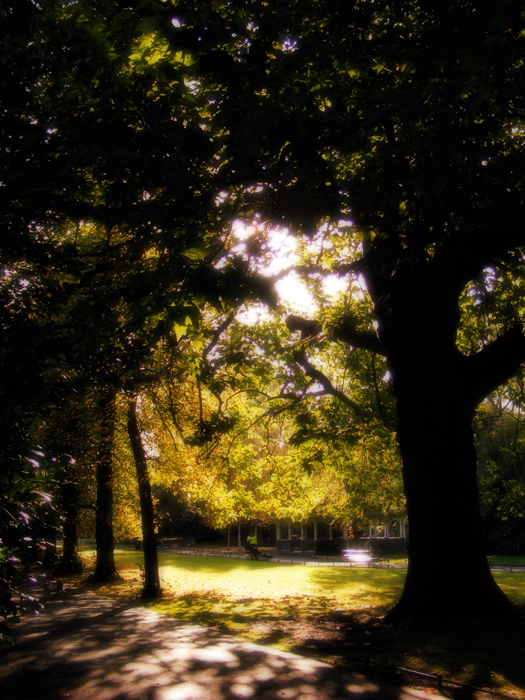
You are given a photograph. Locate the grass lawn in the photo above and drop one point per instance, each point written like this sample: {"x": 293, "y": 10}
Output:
{"x": 334, "y": 614}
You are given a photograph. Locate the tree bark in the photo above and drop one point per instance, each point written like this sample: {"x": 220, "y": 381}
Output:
{"x": 151, "y": 587}
{"x": 70, "y": 561}
{"x": 437, "y": 390}
{"x": 50, "y": 548}
{"x": 448, "y": 574}
{"x": 105, "y": 569}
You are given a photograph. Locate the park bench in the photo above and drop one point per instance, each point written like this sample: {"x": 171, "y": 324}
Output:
{"x": 256, "y": 554}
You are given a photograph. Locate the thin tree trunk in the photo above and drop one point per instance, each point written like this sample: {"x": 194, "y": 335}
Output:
{"x": 152, "y": 587}
{"x": 50, "y": 547}
{"x": 70, "y": 561}
{"x": 105, "y": 569}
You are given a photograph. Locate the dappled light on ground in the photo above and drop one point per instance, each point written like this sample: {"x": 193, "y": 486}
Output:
{"x": 88, "y": 647}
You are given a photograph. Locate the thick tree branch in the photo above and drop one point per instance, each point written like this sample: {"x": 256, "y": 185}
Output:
{"x": 462, "y": 257}
{"x": 366, "y": 340}
{"x": 345, "y": 331}
{"x": 493, "y": 365}
{"x": 308, "y": 328}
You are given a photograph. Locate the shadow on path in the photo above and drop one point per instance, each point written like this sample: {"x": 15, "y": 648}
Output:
{"x": 88, "y": 647}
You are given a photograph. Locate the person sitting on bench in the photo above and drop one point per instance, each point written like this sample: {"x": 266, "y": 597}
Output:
{"x": 251, "y": 548}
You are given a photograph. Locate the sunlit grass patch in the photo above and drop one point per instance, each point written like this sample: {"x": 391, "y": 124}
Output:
{"x": 513, "y": 585}
{"x": 241, "y": 579}
{"x": 235, "y": 593}
{"x": 317, "y": 588}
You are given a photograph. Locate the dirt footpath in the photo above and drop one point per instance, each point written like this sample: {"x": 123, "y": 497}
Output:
{"x": 84, "y": 647}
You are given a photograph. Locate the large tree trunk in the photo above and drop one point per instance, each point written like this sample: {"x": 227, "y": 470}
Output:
{"x": 437, "y": 390}
{"x": 105, "y": 569}
{"x": 152, "y": 587}
{"x": 448, "y": 574}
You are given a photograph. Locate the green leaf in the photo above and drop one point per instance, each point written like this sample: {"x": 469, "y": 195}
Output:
{"x": 195, "y": 253}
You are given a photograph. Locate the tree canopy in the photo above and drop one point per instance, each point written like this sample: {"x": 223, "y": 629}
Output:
{"x": 386, "y": 137}
{"x": 406, "y": 120}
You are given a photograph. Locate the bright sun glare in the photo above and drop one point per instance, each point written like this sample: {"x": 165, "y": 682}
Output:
{"x": 293, "y": 293}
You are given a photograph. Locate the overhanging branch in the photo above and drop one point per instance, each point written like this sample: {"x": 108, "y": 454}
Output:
{"x": 495, "y": 364}
{"x": 324, "y": 381}
{"x": 308, "y": 328}
{"x": 311, "y": 329}
{"x": 462, "y": 257}
{"x": 344, "y": 331}
{"x": 359, "y": 339}
{"x": 217, "y": 334}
